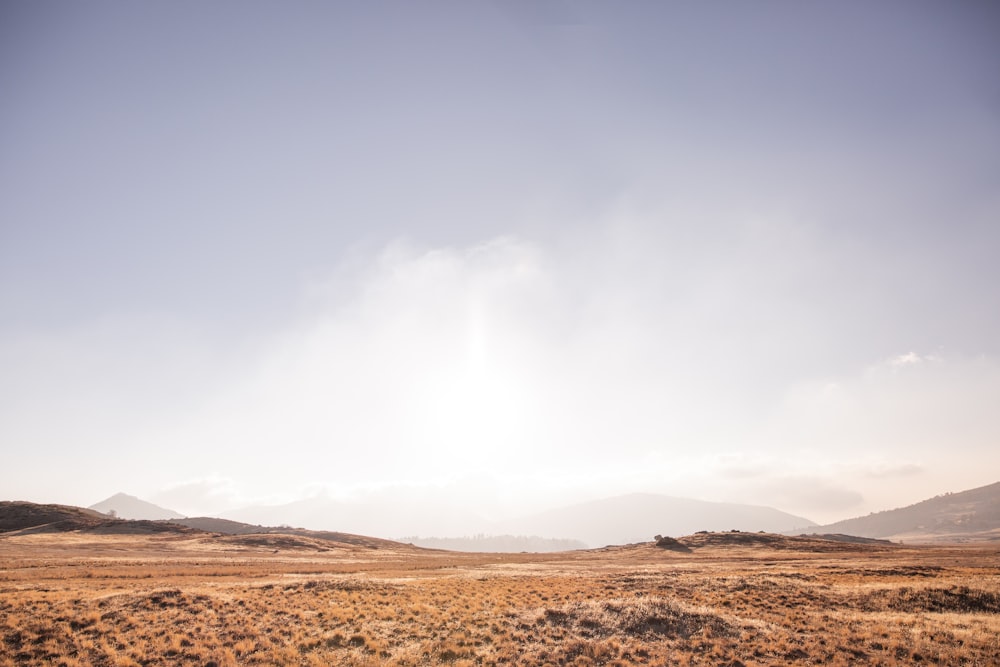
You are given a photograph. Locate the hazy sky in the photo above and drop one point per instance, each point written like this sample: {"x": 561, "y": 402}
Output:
{"x": 502, "y": 253}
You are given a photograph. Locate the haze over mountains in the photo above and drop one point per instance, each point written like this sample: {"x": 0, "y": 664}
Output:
{"x": 968, "y": 515}
{"x": 638, "y": 517}
{"x": 971, "y": 514}
{"x": 373, "y": 516}
{"x": 496, "y": 543}
{"x": 617, "y": 520}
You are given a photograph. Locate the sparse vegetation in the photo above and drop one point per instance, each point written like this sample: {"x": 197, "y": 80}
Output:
{"x": 731, "y": 599}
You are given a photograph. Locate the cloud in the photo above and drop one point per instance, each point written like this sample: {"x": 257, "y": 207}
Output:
{"x": 199, "y": 497}
{"x": 896, "y": 434}
{"x": 920, "y": 412}
{"x": 425, "y": 364}
{"x": 810, "y": 494}
{"x": 910, "y": 359}
{"x": 806, "y": 483}
{"x": 901, "y": 470}
{"x": 905, "y": 359}
{"x": 628, "y": 356}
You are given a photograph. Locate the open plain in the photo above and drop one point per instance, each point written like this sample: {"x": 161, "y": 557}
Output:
{"x": 715, "y": 599}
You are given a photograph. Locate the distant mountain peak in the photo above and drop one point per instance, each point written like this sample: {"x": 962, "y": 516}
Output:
{"x": 123, "y": 497}
{"x": 124, "y": 506}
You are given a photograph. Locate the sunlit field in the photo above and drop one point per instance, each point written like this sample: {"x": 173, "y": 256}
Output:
{"x": 71, "y": 599}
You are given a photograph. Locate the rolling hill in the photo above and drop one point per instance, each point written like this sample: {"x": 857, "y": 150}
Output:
{"x": 237, "y": 528}
{"x": 952, "y": 517}
{"x": 25, "y": 517}
{"x": 20, "y": 515}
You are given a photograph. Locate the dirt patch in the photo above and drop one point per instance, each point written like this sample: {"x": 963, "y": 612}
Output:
{"x": 275, "y": 541}
{"x": 646, "y": 618}
{"x": 776, "y": 542}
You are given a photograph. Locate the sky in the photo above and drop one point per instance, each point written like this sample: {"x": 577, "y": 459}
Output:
{"x": 507, "y": 255}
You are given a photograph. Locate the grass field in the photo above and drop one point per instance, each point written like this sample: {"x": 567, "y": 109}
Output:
{"x": 78, "y": 599}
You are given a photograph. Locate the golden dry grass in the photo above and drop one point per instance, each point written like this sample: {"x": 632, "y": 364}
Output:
{"x": 74, "y": 599}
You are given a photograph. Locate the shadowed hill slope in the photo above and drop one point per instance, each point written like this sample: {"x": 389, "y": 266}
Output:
{"x": 237, "y": 528}
{"x": 24, "y": 517}
{"x": 225, "y": 526}
{"x": 771, "y": 541}
{"x": 19, "y": 515}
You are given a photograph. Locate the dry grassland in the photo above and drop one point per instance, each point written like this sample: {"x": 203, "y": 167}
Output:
{"x": 194, "y": 600}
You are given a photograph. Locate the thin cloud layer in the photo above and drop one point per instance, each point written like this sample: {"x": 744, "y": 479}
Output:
{"x": 553, "y": 372}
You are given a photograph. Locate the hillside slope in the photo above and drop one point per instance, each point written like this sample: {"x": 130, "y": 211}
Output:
{"x": 237, "y": 528}
{"x": 19, "y": 515}
{"x": 23, "y": 518}
{"x": 966, "y": 515}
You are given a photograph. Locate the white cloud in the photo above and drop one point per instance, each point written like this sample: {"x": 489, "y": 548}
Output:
{"x": 907, "y": 359}
{"x": 910, "y": 359}
{"x": 427, "y": 368}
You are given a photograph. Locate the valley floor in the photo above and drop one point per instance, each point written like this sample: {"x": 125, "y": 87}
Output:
{"x": 78, "y": 599}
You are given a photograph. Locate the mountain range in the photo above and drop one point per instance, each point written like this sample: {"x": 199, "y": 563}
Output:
{"x": 19, "y": 518}
{"x": 617, "y": 520}
{"x": 967, "y": 515}
{"x": 638, "y": 517}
